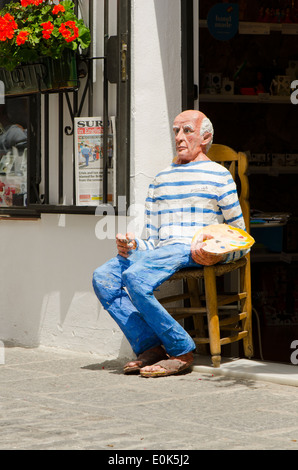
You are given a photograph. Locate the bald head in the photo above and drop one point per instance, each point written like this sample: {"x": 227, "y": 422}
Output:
{"x": 193, "y": 135}
{"x": 192, "y": 114}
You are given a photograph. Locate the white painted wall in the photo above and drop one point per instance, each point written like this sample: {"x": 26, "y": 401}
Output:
{"x": 156, "y": 85}
{"x": 47, "y": 264}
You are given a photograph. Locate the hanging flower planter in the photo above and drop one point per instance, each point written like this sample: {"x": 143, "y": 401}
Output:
{"x": 38, "y": 45}
{"x": 46, "y": 74}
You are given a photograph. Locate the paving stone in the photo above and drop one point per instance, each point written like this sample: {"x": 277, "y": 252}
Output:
{"x": 59, "y": 400}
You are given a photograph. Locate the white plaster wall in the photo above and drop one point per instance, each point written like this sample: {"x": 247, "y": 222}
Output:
{"x": 156, "y": 89}
{"x": 47, "y": 265}
{"x": 46, "y": 292}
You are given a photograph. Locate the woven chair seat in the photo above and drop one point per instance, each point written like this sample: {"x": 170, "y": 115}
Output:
{"x": 198, "y": 273}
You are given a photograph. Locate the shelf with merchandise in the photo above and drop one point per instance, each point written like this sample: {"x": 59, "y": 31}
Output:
{"x": 254, "y": 27}
{"x": 265, "y": 98}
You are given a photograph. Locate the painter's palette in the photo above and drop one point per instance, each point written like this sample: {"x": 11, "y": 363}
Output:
{"x": 225, "y": 238}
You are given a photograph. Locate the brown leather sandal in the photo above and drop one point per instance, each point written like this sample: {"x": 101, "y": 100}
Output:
{"x": 171, "y": 366}
{"x": 147, "y": 358}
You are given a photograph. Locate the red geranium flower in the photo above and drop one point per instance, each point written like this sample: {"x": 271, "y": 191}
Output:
{"x": 26, "y": 3}
{"x": 57, "y": 9}
{"x": 47, "y": 29}
{"x": 7, "y": 27}
{"x": 69, "y": 31}
{"x": 22, "y": 37}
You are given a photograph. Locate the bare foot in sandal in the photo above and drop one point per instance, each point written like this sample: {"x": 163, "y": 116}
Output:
{"x": 146, "y": 358}
{"x": 170, "y": 366}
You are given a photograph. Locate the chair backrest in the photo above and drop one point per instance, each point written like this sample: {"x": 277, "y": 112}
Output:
{"x": 237, "y": 164}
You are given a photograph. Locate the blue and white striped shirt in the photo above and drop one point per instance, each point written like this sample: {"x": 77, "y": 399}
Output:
{"x": 184, "y": 198}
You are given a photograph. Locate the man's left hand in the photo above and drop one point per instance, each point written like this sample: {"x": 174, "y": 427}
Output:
{"x": 201, "y": 256}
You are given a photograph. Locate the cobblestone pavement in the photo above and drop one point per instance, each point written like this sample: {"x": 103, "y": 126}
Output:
{"x": 57, "y": 400}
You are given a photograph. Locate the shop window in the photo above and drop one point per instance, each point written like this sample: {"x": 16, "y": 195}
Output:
{"x": 45, "y": 170}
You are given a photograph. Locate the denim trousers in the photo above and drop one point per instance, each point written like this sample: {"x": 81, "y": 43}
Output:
{"x": 125, "y": 287}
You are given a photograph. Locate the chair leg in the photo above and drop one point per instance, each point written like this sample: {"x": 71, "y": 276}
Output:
{"x": 245, "y": 286}
{"x": 212, "y": 315}
{"x": 198, "y": 320}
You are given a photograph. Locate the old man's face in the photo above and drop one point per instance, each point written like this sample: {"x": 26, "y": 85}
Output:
{"x": 189, "y": 143}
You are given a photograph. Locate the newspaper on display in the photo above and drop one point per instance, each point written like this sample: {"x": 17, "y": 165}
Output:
{"x": 89, "y": 160}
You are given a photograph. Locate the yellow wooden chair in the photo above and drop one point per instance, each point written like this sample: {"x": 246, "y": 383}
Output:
{"x": 222, "y": 327}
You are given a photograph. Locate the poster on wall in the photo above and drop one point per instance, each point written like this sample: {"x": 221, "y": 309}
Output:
{"x": 223, "y": 21}
{"x": 89, "y": 160}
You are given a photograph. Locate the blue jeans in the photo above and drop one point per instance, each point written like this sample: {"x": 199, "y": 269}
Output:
{"x": 125, "y": 288}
